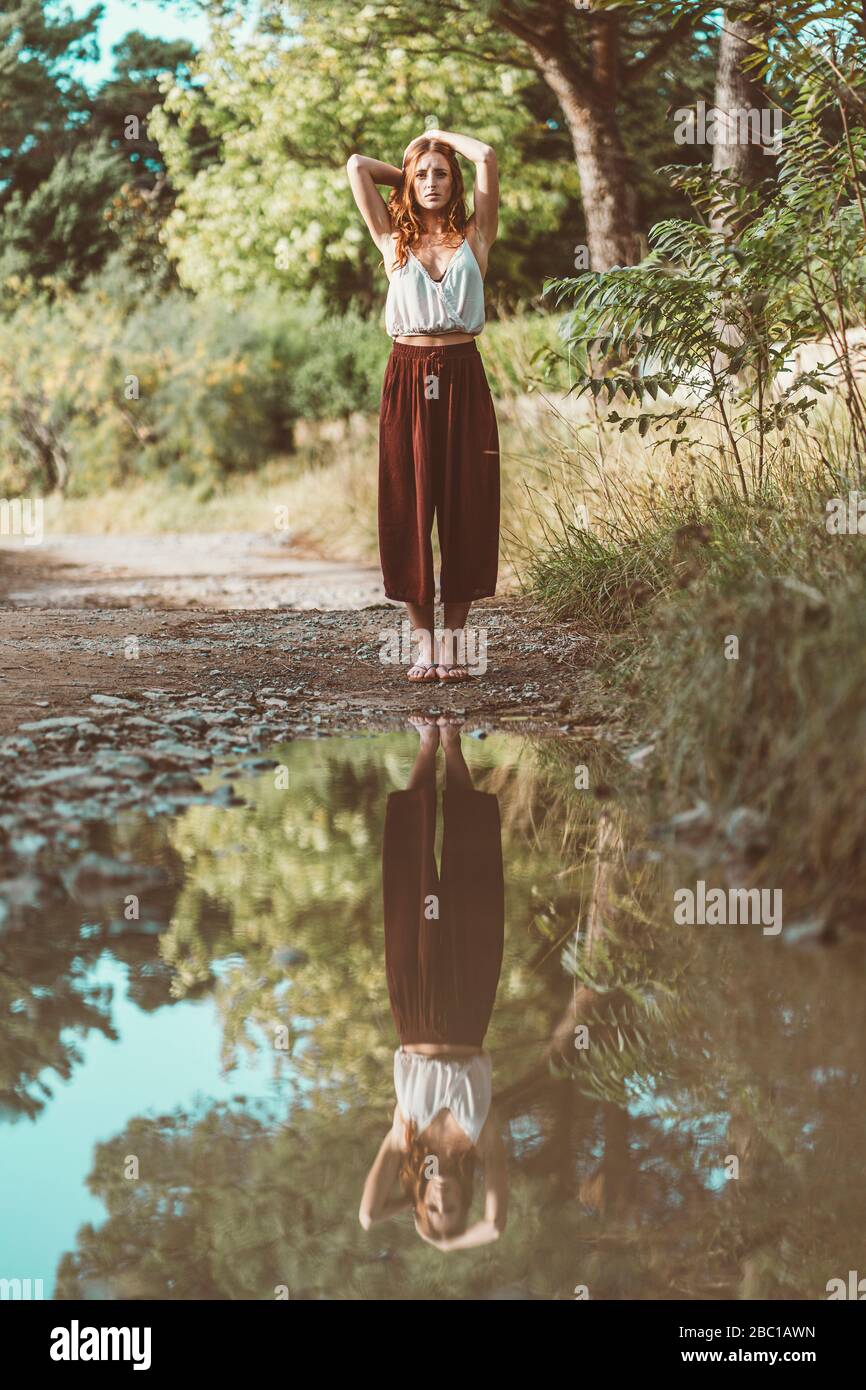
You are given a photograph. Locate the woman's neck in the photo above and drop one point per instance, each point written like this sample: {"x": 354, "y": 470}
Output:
{"x": 432, "y": 225}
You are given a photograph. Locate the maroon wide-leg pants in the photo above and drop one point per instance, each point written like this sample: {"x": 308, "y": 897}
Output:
{"x": 443, "y": 971}
{"x": 438, "y": 453}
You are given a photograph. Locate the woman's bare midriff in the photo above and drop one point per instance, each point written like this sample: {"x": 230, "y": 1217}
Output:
{"x": 442, "y": 1049}
{"x": 436, "y": 339}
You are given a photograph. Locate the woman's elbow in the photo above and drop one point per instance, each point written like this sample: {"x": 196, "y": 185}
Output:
{"x": 365, "y": 1217}
{"x": 488, "y": 155}
{"x": 352, "y": 162}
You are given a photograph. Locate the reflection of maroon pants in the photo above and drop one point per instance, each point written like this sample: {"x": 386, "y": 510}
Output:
{"x": 439, "y": 454}
{"x": 442, "y": 975}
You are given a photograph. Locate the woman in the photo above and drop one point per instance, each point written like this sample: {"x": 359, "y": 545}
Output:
{"x": 438, "y": 440}
{"x": 443, "y": 952}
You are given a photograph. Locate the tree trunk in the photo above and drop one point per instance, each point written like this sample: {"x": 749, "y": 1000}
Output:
{"x": 606, "y": 184}
{"x": 741, "y": 114}
{"x": 607, "y": 189}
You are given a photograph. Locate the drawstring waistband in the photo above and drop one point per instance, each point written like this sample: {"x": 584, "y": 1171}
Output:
{"x": 436, "y": 357}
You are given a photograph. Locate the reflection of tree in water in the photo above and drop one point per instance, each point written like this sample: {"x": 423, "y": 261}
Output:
{"x": 299, "y": 882}
{"x": 229, "y": 1207}
{"x": 48, "y": 953}
{"x": 302, "y": 911}
{"x": 706, "y": 1045}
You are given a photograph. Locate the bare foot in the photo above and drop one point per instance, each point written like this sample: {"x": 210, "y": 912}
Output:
{"x": 422, "y": 671}
{"x": 447, "y": 669}
{"x": 426, "y": 727}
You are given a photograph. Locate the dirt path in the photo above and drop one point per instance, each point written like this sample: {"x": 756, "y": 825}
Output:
{"x": 208, "y": 570}
{"x": 125, "y": 680}
{"x": 218, "y": 616}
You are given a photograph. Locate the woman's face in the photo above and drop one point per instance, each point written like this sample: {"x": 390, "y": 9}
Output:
{"x": 442, "y": 1202}
{"x": 432, "y": 183}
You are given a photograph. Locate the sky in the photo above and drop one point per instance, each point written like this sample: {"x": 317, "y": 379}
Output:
{"x": 161, "y": 1061}
{"x": 119, "y": 16}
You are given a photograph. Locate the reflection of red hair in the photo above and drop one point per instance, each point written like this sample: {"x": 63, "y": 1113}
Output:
{"x": 403, "y": 209}
{"x": 454, "y": 1161}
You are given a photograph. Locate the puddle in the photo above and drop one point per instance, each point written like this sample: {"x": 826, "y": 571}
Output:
{"x": 197, "y": 1060}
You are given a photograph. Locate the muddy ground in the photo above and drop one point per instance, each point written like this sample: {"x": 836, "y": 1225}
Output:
{"x": 132, "y": 665}
{"x": 219, "y": 617}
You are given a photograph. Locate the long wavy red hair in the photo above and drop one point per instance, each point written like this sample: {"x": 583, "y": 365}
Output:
{"x": 405, "y": 221}
{"x": 453, "y": 1161}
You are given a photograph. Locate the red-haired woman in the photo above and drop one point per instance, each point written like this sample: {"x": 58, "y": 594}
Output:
{"x": 444, "y": 934}
{"x": 438, "y": 440}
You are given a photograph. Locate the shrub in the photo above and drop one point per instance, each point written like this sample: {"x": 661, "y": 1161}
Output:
{"x": 101, "y": 388}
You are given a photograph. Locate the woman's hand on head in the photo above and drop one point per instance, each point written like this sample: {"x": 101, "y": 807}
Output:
{"x": 443, "y": 1244}
{"x": 434, "y": 134}
{"x": 409, "y": 148}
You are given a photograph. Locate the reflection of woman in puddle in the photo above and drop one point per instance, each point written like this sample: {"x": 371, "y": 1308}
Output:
{"x": 443, "y": 952}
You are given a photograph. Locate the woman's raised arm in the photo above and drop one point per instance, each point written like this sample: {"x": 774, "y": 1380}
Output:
{"x": 364, "y": 174}
{"x": 378, "y": 1201}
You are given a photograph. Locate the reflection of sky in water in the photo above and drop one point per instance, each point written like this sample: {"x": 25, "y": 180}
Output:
{"x": 164, "y": 1060}
{"x": 710, "y": 1129}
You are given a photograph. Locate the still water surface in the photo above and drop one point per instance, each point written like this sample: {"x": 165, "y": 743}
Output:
{"x": 192, "y": 1101}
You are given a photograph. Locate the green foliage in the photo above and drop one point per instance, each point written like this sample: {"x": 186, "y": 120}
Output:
{"x": 66, "y": 154}
{"x": 706, "y": 1043}
{"x": 712, "y": 317}
{"x": 61, "y": 225}
{"x": 308, "y": 876}
{"x": 288, "y": 104}
{"x": 43, "y": 103}
{"x": 219, "y": 388}
{"x": 288, "y": 101}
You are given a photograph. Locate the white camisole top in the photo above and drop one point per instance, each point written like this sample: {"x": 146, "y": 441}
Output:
{"x": 426, "y": 1085}
{"x": 418, "y": 304}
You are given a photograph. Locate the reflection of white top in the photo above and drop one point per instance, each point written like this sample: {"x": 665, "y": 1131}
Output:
{"x": 426, "y": 1085}
{"x": 417, "y": 303}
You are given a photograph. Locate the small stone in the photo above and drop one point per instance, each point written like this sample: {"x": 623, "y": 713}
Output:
{"x": 640, "y": 755}
{"x": 811, "y": 931}
{"x": 12, "y": 744}
{"x": 61, "y": 721}
{"x": 746, "y": 830}
{"x": 56, "y": 774}
{"x": 113, "y": 702}
{"x": 25, "y": 846}
{"x": 125, "y": 764}
{"x": 193, "y": 717}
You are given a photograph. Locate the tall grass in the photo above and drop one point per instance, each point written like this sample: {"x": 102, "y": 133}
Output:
{"x": 673, "y": 566}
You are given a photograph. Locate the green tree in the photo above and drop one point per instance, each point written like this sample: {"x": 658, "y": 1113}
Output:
{"x": 288, "y": 102}
{"x": 43, "y": 103}
{"x": 77, "y": 177}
